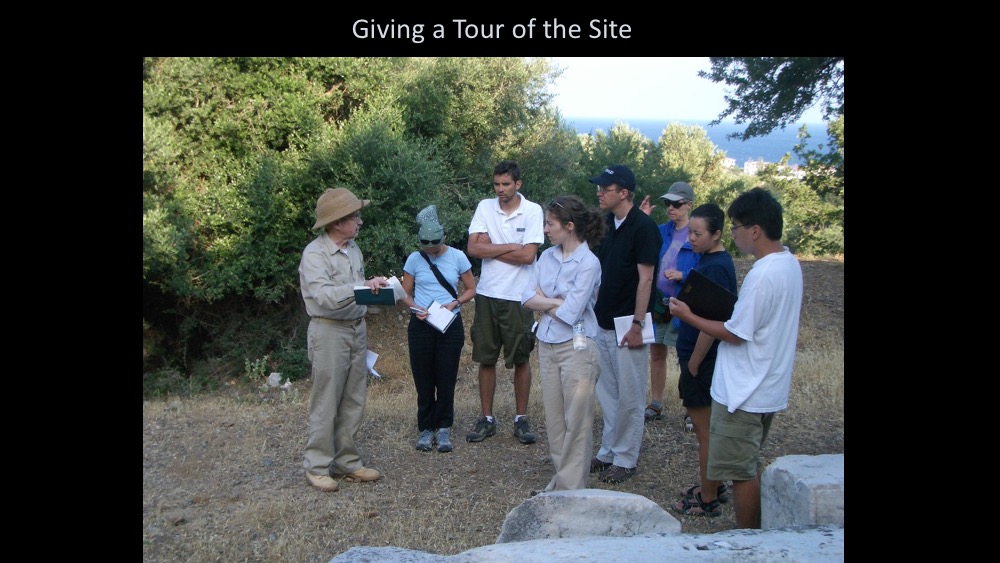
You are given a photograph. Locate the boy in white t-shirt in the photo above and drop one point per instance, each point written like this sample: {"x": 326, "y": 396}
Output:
{"x": 753, "y": 369}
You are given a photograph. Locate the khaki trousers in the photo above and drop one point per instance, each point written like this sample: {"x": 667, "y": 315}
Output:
{"x": 338, "y": 354}
{"x": 568, "y": 378}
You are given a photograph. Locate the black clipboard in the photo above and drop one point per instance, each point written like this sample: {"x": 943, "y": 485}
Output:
{"x": 706, "y": 298}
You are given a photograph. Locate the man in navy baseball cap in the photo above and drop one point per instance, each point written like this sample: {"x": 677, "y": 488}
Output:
{"x": 629, "y": 253}
{"x": 617, "y": 174}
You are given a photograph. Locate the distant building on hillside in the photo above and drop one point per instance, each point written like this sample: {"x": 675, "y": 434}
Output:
{"x": 792, "y": 171}
{"x": 729, "y": 162}
{"x": 753, "y": 167}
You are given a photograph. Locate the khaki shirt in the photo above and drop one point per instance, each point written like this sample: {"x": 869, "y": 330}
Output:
{"x": 327, "y": 276}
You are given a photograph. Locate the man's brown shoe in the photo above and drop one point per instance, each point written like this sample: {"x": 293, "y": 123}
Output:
{"x": 618, "y": 474}
{"x": 322, "y": 482}
{"x": 598, "y": 466}
{"x": 361, "y": 475}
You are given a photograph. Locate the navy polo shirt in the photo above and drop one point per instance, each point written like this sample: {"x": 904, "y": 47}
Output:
{"x": 636, "y": 241}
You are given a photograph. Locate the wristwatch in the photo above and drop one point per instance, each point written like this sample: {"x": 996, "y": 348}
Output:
{"x": 642, "y": 323}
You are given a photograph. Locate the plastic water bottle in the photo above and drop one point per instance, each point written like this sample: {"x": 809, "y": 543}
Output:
{"x": 579, "y": 336}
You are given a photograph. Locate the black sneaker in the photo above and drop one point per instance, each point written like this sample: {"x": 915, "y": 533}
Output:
{"x": 618, "y": 474}
{"x": 522, "y": 430}
{"x": 484, "y": 429}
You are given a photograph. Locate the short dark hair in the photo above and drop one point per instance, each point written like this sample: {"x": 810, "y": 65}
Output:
{"x": 508, "y": 167}
{"x": 713, "y": 216}
{"x": 758, "y": 207}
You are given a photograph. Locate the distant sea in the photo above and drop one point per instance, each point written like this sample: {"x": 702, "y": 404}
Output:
{"x": 770, "y": 148}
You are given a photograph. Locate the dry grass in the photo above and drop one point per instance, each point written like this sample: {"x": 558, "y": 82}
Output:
{"x": 223, "y": 480}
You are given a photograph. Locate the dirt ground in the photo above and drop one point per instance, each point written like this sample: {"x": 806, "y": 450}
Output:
{"x": 223, "y": 478}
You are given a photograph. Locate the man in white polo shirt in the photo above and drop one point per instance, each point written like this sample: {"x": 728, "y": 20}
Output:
{"x": 505, "y": 234}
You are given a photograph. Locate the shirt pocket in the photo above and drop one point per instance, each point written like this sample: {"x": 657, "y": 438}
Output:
{"x": 340, "y": 278}
{"x": 515, "y": 231}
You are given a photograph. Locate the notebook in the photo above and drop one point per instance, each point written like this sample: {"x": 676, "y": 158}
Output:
{"x": 439, "y": 317}
{"x": 706, "y": 298}
{"x": 364, "y": 296}
{"x": 386, "y": 295}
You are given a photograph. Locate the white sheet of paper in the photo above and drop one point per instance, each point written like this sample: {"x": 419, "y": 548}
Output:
{"x": 397, "y": 288}
{"x": 371, "y": 359}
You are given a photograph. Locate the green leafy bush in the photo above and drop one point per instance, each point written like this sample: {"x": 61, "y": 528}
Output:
{"x": 236, "y": 151}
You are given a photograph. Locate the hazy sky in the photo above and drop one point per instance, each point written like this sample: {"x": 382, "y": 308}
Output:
{"x": 642, "y": 88}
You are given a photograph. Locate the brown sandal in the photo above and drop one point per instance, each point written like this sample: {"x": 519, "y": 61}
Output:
{"x": 694, "y": 506}
{"x": 722, "y": 493}
{"x": 653, "y": 413}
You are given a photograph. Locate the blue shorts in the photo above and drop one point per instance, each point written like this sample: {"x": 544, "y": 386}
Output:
{"x": 665, "y": 333}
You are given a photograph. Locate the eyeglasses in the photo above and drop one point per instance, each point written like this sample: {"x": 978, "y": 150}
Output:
{"x": 607, "y": 189}
{"x": 434, "y": 242}
{"x": 676, "y": 204}
{"x": 734, "y": 227}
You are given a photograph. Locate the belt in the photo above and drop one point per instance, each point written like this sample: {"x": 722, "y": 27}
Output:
{"x": 341, "y": 322}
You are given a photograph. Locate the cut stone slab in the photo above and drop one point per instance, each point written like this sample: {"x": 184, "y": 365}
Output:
{"x": 802, "y": 490}
{"x": 586, "y": 512}
{"x": 812, "y": 544}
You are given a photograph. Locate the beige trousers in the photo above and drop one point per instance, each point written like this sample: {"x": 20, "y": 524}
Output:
{"x": 338, "y": 354}
{"x": 568, "y": 378}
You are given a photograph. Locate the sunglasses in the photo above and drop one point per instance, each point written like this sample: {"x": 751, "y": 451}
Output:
{"x": 675, "y": 204}
{"x": 563, "y": 207}
{"x": 434, "y": 242}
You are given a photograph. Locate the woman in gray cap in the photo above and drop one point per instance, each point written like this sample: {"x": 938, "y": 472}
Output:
{"x": 676, "y": 260}
{"x": 331, "y": 265}
{"x": 430, "y": 278}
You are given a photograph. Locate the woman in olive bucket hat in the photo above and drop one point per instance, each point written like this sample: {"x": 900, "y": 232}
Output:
{"x": 434, "y": 355}
{"x": 331, "y": 265}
